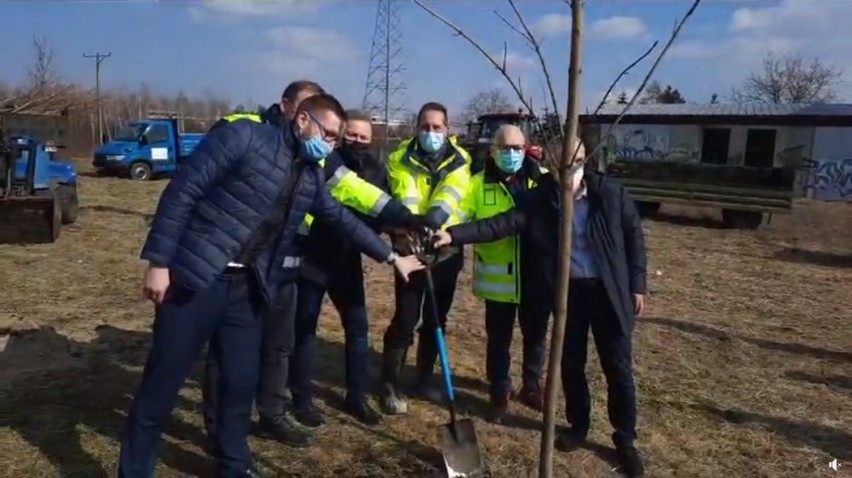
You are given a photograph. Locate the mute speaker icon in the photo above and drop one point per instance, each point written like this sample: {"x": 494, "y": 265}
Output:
{"x": 833, "y": 464}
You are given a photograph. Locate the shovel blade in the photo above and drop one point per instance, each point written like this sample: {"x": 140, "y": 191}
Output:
{"x": 460, "y": 448}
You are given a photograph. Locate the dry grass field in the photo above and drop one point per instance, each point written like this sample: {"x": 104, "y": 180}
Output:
{"x": 744, "y": 360}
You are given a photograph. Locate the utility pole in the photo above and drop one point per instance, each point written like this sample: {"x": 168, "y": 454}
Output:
{"x": 99, "y": 58}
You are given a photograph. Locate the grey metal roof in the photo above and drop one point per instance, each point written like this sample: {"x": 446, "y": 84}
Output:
{"x": 724, "y": 109}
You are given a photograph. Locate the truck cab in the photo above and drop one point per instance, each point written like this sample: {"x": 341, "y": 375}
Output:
{"x": 37, "y": 138}
{"x": 49, "y": 177}
{"x": 144, "y": 149}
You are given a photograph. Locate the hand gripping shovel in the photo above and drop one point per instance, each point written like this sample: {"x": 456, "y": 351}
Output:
{"x": 458, "y": 438}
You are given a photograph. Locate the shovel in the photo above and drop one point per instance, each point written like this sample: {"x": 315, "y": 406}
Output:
{"x": 458, "y": 438}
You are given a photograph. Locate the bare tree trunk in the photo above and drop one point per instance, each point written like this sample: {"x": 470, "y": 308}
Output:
{"x": 567, "y": 164}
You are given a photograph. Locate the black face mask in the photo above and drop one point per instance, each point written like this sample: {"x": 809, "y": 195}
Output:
{"x": 355, "y": 150}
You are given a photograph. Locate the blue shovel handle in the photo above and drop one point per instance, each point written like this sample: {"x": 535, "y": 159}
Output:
{"x": 442, "y": 343}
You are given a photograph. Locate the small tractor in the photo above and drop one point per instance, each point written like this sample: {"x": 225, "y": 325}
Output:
{"x": 33, "y": 206}
{"x": 480, "y": 135}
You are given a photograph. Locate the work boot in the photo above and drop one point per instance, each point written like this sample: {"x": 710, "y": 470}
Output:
{"x": 532, "y": 397}
{"x": 570, "y": 440}
{"x": 498, "y": 406}
{"x": 362, "y": 411}
{"x": 428, "y": 389}
{"x": 630, "y": 462}
{"x": 309, "y": 416}
{"x": 392, "y": 401}
{"x": 286, "y": 430}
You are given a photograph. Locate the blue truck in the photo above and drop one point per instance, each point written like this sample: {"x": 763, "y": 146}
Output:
{"x": 145, "y": 149}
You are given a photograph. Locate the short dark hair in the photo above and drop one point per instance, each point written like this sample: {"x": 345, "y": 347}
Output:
{"x": 322, "y": 102}
{"x": 293, "y": 89}
{"x": 358, "y": 115}
{"x": 432, "y": 106}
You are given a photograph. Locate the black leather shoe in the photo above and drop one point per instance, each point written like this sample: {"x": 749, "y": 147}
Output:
{"x": 570, "y": 440}
{"x": 631, "y": 463}
{"x": 285, "y": 430}
{"x": 309, "y": 416}
{"x": 363, "y": 412}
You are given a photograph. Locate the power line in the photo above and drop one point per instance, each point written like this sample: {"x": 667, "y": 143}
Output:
{"x": 383, "y": 93}
{"x": 99, "y": 58}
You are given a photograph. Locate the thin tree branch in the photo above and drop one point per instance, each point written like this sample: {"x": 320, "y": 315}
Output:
{"x": 536, "y": 46}
{"x": 460, "y": 33}
{"x": 660, "y": 56}
{"x": 514, "y": 28}
{"x": 621, "y": 75}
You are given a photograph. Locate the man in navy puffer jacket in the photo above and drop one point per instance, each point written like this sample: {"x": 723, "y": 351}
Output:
{"x": 221, "y": 246}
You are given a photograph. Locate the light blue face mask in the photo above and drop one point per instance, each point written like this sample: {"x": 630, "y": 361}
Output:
{"x": 430, "y": 141}
{"x": 315, "y": 148}
{"x": 509, "y": 161}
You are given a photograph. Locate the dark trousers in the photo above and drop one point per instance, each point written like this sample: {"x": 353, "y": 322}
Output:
{"x": 590, "y": 306}
{"x": 275, "y": 348}
{"x": 499, "y": 327}
{"x": 228, "y": 310}
{"x": 346, "y": 291}
{"x": 410, "y": 304}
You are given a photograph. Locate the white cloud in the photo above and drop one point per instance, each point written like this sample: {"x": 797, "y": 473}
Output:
{"x": 304, "y": 52}
{"x": 551, "y": 25}
{"x": 812, "y": 29}
{"x": 239, "y": 9}
{"x": 619, "y": 28}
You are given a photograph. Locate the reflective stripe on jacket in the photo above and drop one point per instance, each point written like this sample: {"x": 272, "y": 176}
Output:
{"x": 350, "y": 190}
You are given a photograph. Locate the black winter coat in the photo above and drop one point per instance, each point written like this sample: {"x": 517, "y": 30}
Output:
{"x": 615, "y": 231}
{"x": 220, "y": 196}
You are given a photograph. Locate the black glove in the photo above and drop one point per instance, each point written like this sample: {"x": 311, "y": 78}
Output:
{"x": 419, "y": 225}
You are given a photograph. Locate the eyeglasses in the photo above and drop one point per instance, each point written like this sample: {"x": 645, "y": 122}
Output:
{"x": 327, "y": 134}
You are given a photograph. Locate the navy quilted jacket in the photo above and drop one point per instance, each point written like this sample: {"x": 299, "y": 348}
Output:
{"x": 221, "y": 194}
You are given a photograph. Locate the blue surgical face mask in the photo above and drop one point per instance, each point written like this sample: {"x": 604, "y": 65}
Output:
{"x": 315, "y": 148}
{"x": 430, "y": 141}
{"x": 509, "y": 161}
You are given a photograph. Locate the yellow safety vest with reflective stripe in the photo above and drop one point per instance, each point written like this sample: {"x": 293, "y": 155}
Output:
{"x": 238, "y": 116}
{"x": 352, "y": 191}
{"x": 411, "y": 181}
{"x": 496, "y": 266}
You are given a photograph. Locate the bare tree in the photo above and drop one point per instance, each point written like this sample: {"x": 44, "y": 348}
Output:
{"x": 489, "y": 101}
{"x": 568, "y": 163}
{"x": 42, "y": 72}
{"x": 790, "y": 79}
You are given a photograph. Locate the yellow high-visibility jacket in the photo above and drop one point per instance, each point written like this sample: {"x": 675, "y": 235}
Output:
{"x": 497, "y": 265}
{"x": 436, "y": 194}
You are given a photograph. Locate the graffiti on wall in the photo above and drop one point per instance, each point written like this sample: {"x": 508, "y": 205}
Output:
{"x": 646, "y": 143}
{"x": 828, "y": 179}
